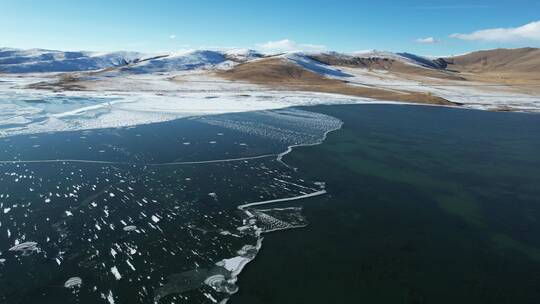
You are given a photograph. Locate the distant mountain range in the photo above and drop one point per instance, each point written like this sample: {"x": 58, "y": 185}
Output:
{"x": 524, "y": 60}
{"x": 47, "y": 61}
{"x": 373, "y": 74}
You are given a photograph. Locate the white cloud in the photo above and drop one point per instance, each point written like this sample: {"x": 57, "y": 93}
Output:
{"x": 428, "y": 40}
{"x": 287, "y": 45}
{"x": 172, "y": 37}
{"x": 527, "y": 32}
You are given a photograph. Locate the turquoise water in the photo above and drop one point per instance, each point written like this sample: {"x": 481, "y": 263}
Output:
{"x": 424, "y": 205}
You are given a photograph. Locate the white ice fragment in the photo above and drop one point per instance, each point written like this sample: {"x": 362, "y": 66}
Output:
{"x": 210, "y": 297}
{"x": 115, "y": 272}
{"x": 130, "y": 228}
{"x": 26, "y": 246}
{"x": 73, "y": 282}
{"x": 234, "y": 265}
{"x": 110, "y": 297}
{"x": 130, "y": 265}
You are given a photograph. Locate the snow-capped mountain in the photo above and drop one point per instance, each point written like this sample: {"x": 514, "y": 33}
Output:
{"x": 179, "y": 62}
{"x": 323, "y": 63}
{"x": 243, "y": 54}
{"x": 386, "y": 76}
{"x": 39, "y": 60}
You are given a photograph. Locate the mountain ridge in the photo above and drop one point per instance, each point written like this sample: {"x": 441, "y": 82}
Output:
{"x": 524, "y": 60}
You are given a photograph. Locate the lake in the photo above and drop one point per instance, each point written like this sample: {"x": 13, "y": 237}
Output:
{"x": 401, "y": 204}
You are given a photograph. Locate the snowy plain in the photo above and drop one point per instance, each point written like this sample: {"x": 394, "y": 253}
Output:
{"x": 149, "y": 88}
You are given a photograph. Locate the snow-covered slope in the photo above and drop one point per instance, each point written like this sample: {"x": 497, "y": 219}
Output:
{"x": 332, "y": 63}
{"x": 406, "y": 58}
{"x": 243, "y": 54}
{"x": 39, "y": 60}
{"x": 307, "y": 62}
{"x": 179, "y": 62}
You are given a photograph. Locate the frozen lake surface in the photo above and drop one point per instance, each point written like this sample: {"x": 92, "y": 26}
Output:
{"x": 145, "y": 213}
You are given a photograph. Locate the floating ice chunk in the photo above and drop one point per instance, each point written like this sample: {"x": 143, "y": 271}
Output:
{"x": 130, "y": 228}
{"x": 130, "y": 265}
{"x": 111, "y": 194}
{"x": 25, "y": 248}
{"x": 155, "y": 219}
{"x": 210, "y": 297}
{"x": 110, "y": 297}
{"x": 214, "y": 280}
{"x": 47, "y": 200}
{"x": 220, "y": 283}
{"x": 73, "y": 282}
{"x": 6, "y": 210}
{"x": 68, "y": 213}
{"x": 2, "y": 261}
{"x": 213, "y": 195}
{"x": 234, "y": 265}
{"x": 116, "y": 273}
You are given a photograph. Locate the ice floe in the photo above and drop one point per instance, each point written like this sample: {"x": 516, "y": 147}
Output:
{"x": 25, "y": 248}
{"x": 73, "y": 282}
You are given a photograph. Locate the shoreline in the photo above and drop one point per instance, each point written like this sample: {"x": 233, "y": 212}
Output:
{"x": 212, "y": 161}
{"x": 128, "y": 109}
{"x": 250, "y": 220}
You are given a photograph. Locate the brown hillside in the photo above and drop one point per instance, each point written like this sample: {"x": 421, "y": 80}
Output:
{"x": 519, "y": 68}
{"x": 524, "y": 60}
{"x": 278, "y": 73}
{"x": 387, "y": 64}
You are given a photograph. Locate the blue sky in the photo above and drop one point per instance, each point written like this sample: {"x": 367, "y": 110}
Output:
{"x": 422, "y": 27}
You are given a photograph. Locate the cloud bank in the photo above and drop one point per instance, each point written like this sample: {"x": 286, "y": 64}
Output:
{"x": 428, "y": 40}
{"x": 287, "y": 45}
{"x": 527, "y": 32}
